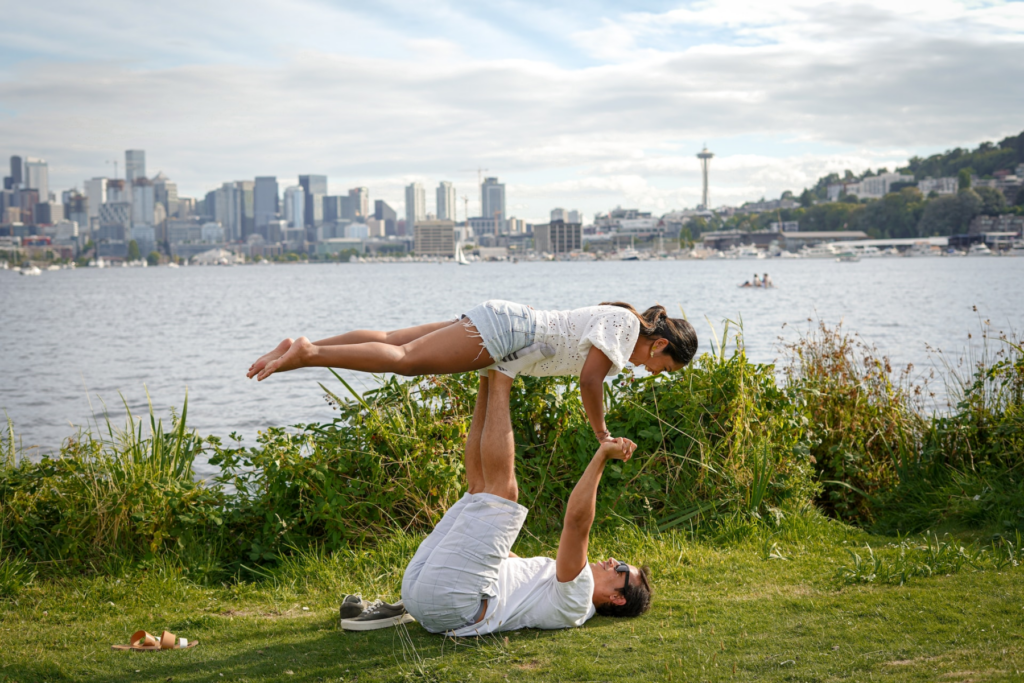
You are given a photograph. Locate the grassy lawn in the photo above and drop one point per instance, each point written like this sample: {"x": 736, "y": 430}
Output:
{"x": 771, "y": 609}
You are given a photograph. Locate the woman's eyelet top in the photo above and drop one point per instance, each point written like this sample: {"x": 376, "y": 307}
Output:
{"x": 612, "y": 329}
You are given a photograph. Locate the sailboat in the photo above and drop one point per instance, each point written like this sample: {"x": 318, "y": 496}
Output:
{"x": 460, "y": 257}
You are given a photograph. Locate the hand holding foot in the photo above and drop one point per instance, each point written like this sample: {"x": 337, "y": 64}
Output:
{"x": 278, "y": 351}
{"x": 297, "y": 356}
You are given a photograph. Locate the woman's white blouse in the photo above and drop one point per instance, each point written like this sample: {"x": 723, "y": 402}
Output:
{"x": 611, "y": 329}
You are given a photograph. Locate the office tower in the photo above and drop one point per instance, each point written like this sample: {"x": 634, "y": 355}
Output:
{"x": 383, "y": 212}
{"x": 415, "y": 207}
{"x": 115, "y": 221}
{"x": 360, "y": 197}
{"x": 26, "y": 199}
{"x": 245, "y": 196}
{"x": 166, "y": 193}
{"x": 96, "y": 191}
{"x": 117, "y": 191}
{"x": 143, "y": 202}
{"x": 37, "y": 177}
{"x": 266, "y": 202}
{"x": 492, "y": 202}
{"x": 705, "y": 161}
{"x": 76, "y": 209}
{"x": 315, "y": 189}
{"x": 48, "y": 213}
{"x": 558, "y": 237}
{"x": 558, "y": 214}
{"x": 446, "y": 201}
{"x": 435, "y": 238}
{"x": 134, "y": 165}
{"x": 574, "y": 216}
{"x": 17, "y": 173}
{"x": 333, "y": 208}
{"x": 295, "y": 206}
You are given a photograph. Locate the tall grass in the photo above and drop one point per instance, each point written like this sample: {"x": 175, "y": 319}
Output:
{"x": 727, "y": 449}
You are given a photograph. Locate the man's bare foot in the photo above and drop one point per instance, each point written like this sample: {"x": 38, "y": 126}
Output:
{"x": 278, "y": 351}
{"x": 294, "y": 358}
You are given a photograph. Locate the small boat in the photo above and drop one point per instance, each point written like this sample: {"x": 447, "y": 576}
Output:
{"x": 847, "y": 257}
{"x": 172, "y": 264}
{"x": 979, "y": 249}
{"x": 820, "y": 251}
{"x": 98, "y": 263}
{"x": 32, "y": 270}
{"x": 53, "y": 266}
{"x": 629, "y": 254}
{"x": 460, "y": 257}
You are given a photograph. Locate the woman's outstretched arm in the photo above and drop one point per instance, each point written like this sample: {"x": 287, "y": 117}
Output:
{"x": 595, "y": 369}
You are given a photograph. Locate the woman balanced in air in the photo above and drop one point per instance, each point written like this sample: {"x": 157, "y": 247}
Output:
{"x": 590, "y": 343}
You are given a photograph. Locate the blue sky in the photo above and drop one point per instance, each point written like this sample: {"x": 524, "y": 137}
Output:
{"x": 576, "y": 105}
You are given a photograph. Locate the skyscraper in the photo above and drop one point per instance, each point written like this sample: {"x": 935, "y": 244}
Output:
{"x": 266, "y": 203}
{"x": 17, "y": 173}
{"x": 143, "y": 202}
{"x": 295, "y": 206}
{"x": 315, "y": 189}
{"x": 360, "y": 197}
{"x": 492, "y": 202}
{"x": 415, "y": 207}
{"x": 96, "y": 191}
{"x": 134, "y": 165}
{"x": 166, "y": 192}
{"x": 383, "y": 212}
{"x": 446, "y": 201}
{"x": 37, "y": 177}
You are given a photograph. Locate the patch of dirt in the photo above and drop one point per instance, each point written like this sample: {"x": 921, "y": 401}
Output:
{"x": 908, "y": 662}
{"x": 531, "y": 665}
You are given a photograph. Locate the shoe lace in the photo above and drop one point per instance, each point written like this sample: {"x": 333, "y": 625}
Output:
{"x": 372, "y": 607}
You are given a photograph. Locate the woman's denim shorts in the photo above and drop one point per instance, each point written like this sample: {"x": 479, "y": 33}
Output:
{"x": 504, "y": 327}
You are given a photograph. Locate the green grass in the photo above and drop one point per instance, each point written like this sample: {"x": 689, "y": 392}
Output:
{"x": 776, "y": 606}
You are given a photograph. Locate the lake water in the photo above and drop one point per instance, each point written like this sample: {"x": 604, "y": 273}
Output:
{"x": 74, "y": 342}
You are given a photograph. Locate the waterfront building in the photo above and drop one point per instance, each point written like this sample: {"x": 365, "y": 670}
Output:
{"x": 434, "y": 238}
{"x": 558, "y": 237}
{"x": 76, "y": 209}
{"x": 315, "y": 189}
{"x": 47, "y": 213}
{"x": 134, "y": 165}
{"x": 37, "y": 177}
{"x": 517, "y": 226}
{"x": 415, "y": 207}
{"x": 295, "y": 206}
{"x": 184, "y": 230}
{"x": 212, "y": 232}
{"x": 360, "y": 198}
{"x": 492, "y": 202}
{"x": 878, "y": 186}
{"x": 446, "y": 201}
{"x": 266, "y": 203}
{"x": 357, "y": 231}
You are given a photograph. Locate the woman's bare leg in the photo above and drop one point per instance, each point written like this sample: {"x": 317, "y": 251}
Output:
{"x": 394, "y": 337}
{"x": 451, "y": 349}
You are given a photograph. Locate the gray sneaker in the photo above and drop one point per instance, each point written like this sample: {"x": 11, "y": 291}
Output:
{"x": 352, "y": 606}
{"x": 378, "y": 615}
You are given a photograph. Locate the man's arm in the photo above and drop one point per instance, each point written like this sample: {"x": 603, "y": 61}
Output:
{"x": 579, "y": 511}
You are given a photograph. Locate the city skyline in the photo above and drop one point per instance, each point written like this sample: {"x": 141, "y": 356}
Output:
{"x": 592, "y": 107}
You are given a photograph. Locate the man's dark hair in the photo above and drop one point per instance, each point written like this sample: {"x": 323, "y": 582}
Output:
{"x": 638, "y": 598}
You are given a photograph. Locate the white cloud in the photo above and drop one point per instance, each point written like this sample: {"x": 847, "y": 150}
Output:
{"x": 784, "y": 92}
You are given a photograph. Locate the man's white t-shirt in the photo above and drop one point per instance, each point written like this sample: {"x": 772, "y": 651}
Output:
{"x": 530, "y": 596}
{"x": 612, "y": 329}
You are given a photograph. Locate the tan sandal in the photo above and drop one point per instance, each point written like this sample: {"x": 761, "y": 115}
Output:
{"x": 144, "y": 642}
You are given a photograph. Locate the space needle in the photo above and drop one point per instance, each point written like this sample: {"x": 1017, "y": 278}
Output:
{"x": 705, "y": 161}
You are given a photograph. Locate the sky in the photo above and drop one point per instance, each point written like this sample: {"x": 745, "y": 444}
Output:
{"x": 577, "y": 105}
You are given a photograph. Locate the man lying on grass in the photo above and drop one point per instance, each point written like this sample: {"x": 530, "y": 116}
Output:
{"x": 464, "y": 581}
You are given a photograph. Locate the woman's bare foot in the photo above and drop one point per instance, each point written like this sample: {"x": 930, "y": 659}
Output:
{"x": 294, "y": 358}
{"x": 278, "y": 351}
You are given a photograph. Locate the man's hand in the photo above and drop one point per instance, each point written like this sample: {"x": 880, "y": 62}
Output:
{"x": 617, "y": 449}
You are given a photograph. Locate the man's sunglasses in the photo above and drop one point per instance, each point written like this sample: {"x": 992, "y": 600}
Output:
{"x": 623, "y": 568}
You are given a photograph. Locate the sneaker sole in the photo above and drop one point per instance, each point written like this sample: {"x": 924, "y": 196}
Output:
{"x": 354, "y": 625}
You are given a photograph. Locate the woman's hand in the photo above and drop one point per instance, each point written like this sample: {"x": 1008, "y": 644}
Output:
{"x": 617, "y": 449}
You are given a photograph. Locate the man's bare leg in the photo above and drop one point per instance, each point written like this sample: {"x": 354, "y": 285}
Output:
{"x": 497, "y": 448}
{"x": 394, "y": 337}
{"x": 474, "y": 468}
{"x": 451, "y": 349}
